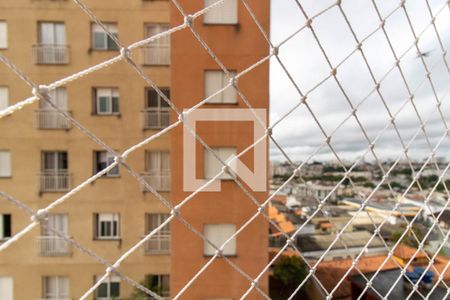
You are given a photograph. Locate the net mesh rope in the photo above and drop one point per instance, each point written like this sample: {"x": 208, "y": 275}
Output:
{"x": 42, "y": 93}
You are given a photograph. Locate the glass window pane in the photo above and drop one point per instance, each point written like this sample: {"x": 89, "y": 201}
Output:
{"x": 111, "y": 44}
{"x": 103, "y": 105}
{"x": 115, "y": 289}
{"x": 152, "y": 98}
{"x": 60, "y": 34}
{"x": 99, "y": 40}
{"x": 47, "y": 33}
{"x": 102, "y": 290}
{"x": 115, "y": 104}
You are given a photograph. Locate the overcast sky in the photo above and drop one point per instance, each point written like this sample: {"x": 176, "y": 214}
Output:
{"x": 299, "y": 135}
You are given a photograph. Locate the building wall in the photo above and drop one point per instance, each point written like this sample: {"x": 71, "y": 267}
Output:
{"x": 19, "y": 135}
{"x": 238, "y": 47}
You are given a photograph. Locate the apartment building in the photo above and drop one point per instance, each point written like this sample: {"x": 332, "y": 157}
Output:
{"x": 43, "y": 156}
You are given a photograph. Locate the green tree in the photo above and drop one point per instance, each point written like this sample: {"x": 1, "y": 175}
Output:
{"x": 288, "y": 273}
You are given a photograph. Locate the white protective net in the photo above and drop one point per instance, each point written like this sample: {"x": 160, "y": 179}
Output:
{"x": 436, "y": 28}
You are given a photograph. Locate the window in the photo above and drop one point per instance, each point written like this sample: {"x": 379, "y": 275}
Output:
{"x": 5, "y": 226}
{"x": 218, "y": 234}
{"x": 6, "y": 288}
{"x": 102, "y": 41}
{"x": 52, "y": 33}
{"x": 213, "y": 166}
{"x": 157, "y": 110}
{"x": 4, "y": 97}
{"x": 159, "y": 283}
{"x": 58, "y": 97}
{"x": 107, "y": 226}
{"x": 109, "y": 288}
{"x": 224, "y": 13}
{"x": 160, "y": 242}
{"x": 55, "y": 287}
{"x": 50, "y": 118}
{"x": 106, "y": 101}
{"x": 52, "y": 244}
{"x": 157, "y": 52}
{"x": 59, "y": 222}
{"x": 5, "y": 163}
{"x": 157, "y": 165}
{"x": 54, "y": 177}
{"x": 3, "y": 35}
{"x": 51, "y": 48}
{"x": 216, "y": 81}
{"x": 102, "y": 159}
{"x": 55, "y": 161}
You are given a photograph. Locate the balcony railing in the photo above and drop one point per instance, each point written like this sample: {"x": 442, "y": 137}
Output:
{"x": 159, "y": 244}
{"x": 156, "y": 55}
{"x": 54, "y": 246}
{"x": 54, "y": 181}
{"x": 51, "y": 54}
{"x": 158, "y": 179}
{"x": 156, "y": 118}
{"x": 51, "y": 119}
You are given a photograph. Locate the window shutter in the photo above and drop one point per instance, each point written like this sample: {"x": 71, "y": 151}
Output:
{"x": 6, "y": 288}
{"x": 224, "y": 13}
{"x": 5, "y": 164}
{"x": 213, "y": 16}
{"x": 4, "y": 96}
{"x": 230, "y": 94}
{"x": 3, "y": 34}
{"x": 229, "y": 12}
{"x": 2, "y": 226}
{"x": 213, "y": 83}
{"x": 218, "y": 234}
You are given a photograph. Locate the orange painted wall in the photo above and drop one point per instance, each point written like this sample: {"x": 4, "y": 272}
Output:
{"x": 238, "y": 47}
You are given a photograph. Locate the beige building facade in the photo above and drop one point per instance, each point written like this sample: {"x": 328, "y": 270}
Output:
{"x": 43, "y": 156}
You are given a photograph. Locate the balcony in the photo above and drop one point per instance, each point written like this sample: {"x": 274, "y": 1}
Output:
{"x": 156, "y": 118}
{"x": 54, "y": 246}
{"x": 51, "y": 119}
{"x": 54, "y": 181}
{"x": 51, "y": 54}
{"x": 159, "y": 244}
{"x": 156, "y": 55}
{"x": 159, "y": 180}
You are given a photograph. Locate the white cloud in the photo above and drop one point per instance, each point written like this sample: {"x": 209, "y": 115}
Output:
{"x": 299, "y": 134}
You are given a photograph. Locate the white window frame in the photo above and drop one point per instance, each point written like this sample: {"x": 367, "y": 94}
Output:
{"x": 157, "y": 52}
{"x": 109, "y": 160}
{"x": 216, "y": 80}
{"x": 159, "y": 278}
{"x": 3, "y": 34}
{"x": 108, "y": 218}
{"x": 225, "y": 13}
{"x": 6, "y": 288}
{"x": 110, "y": 279}
{"x": 4, "y": 97}
{"x": 2, "y": 225}
{"x": 97, "y": 29}
{"x": 5, "y": 164}
{"x": 213, "y": 166}
{"x": 58, "y": 97}
{"x": 213, "y": 234}
{"x": 109, "y": 94}
{"x": 62, "y": 287}
{"x": 162, "y": 235}
{"x": 55, "y": 30}
{"x": 59, "y": 222}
